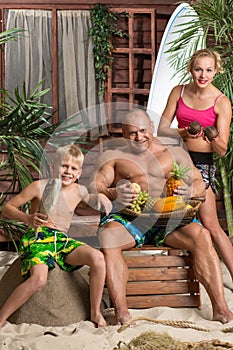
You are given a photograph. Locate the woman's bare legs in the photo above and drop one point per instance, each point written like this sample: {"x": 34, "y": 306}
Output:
{"x": 209, "y": 218}
{"x": 86, "y": 255}
{"x": 206, "y": 263}
{"x": 22, "y": 293}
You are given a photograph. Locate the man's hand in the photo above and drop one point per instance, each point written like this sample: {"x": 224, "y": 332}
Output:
{"x": 183, "y": 191}
{"x": 125, "y": 193}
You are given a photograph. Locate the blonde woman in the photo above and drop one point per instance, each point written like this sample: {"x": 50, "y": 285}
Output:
{"x": 202, "y": 102}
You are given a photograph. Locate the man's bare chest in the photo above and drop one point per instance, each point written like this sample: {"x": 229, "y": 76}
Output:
{"x": 134, "y": 167}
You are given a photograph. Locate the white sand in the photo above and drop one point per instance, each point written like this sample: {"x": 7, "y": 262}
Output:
{"x": 83, "y": 335}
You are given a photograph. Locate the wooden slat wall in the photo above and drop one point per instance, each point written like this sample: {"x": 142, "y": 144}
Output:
{"x": 165, "y": 4}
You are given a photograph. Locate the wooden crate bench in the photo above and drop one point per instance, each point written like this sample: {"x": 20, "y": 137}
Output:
{"x": 164, "y": 279}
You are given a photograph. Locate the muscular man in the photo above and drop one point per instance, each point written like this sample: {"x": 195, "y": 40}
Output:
{"x": 146, "y": 161}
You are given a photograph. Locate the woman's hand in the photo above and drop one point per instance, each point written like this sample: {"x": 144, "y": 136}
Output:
{"x": 193, "y": 136}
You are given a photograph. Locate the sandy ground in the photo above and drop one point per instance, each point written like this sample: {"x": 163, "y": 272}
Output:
{"x": 84, "y": 336}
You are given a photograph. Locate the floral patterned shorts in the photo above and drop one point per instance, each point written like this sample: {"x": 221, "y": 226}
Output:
{"x": 46, "y": 246}
{"x": 204, "y": 162}
{"x": 141, "y": 232}
{"x": 208, "y": 174}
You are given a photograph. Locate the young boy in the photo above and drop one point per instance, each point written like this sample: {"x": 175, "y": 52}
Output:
{"x": 46, "y": 241}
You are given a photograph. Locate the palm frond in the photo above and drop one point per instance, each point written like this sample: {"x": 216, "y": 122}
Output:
{"x": 191, "y": 38}
{"x": 9, "y": 35}
{"x": 26, "y": 116}
{"x": 13, "y": 230}
{"x": 24, "y": 122}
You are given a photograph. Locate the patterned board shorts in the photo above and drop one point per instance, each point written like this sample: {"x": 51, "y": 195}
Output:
{"x": 208, "y": 175}
{"x": 47, "y": 246}
{"x": 142, "y": 233}
{"x": 204, "y": 162}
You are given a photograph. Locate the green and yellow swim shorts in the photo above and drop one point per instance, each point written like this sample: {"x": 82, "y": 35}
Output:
{"x": 46, "y": 246}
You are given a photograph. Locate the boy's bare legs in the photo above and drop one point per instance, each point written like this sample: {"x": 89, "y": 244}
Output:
{"x": 22, "y": 293}
{"x": 206, "y": 265}
{"x": 86, "y": 255}
{"x": 114, "y": 238}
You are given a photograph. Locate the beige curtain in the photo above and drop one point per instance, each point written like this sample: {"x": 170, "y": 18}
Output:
{"x": 29, "y": 60}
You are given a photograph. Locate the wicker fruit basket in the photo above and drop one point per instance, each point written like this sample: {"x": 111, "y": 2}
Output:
{"x": 181, "y": 217}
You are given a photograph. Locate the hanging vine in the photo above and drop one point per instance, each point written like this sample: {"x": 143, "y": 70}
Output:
{"x": 104, "y": 26}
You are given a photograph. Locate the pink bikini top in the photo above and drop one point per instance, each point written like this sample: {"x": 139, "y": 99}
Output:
{"x": 185, "y": 114}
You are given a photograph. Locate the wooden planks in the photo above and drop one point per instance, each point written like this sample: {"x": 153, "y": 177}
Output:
{"x": 164, "y": 279}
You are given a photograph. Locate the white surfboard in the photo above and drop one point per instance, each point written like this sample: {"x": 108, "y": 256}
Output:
{"x": 164, "y": 76}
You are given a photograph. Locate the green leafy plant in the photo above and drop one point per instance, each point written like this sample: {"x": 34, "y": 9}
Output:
{"x": 9, "y": 35}
{"x": 215, "y": 21}
{"x": 104, "y": 26}
{"x": 24, "y": 123}
{"x": 25, "y": 127}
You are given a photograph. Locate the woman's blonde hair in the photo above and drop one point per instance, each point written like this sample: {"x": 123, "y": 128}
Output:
{"x": 206, "y": 53}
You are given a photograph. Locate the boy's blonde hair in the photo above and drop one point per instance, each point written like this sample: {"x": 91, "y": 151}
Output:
{"x": 70, "y": 151}
{"x": 206, "y": 53}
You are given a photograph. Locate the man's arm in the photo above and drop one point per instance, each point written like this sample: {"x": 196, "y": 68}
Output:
{"x": 98, "y": 201}
{"x": 103, "y": 178}
{"x": 104, "y": 181}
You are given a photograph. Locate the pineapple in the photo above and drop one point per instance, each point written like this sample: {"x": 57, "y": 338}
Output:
{"x": 176, "y": 178}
